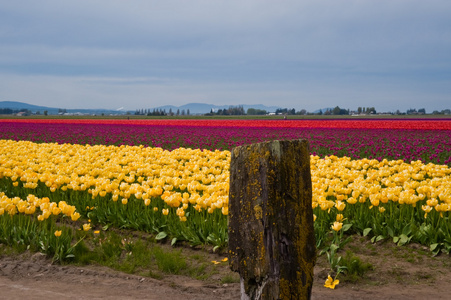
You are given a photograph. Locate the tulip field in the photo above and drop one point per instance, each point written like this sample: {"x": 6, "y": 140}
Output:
{"x": 60, "y": 178}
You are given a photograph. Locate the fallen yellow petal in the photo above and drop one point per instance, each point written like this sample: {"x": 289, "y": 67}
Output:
{"x": 331, "y": 283}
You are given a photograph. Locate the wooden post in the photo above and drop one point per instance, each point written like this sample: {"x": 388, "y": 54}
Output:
{"x": 271, "y": 237}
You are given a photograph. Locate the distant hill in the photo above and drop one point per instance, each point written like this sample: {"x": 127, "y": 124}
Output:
{"x": 194, "y": 108}
{"x": 203, "y": 108}
{"x": 14, "y": 105}
{"x": 323, "y": 110}
{"x": 21, "y": 105}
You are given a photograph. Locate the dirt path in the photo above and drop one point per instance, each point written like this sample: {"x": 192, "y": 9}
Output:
{"x": 36, "y": 278}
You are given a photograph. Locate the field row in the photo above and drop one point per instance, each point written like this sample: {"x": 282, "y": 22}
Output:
{"x": 372, "y": 142}
{"x": 183, "y": 194}
{"x": 416, "y": 124}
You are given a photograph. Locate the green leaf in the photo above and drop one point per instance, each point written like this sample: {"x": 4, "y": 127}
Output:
{"x": 346, "y": 227}
{"x": 379, "y": 238}
{"x": 366, "y": 231}
{"x": 395, "y": 239}
{"x": 333, "y": 247}
{"x": 161, "y": 235}
{"x": 434, "y": 246}
{"x": 105, "y": 228}
{"x": 407, "y": 230}
{"x": 390, "y": 231}
{"x": 174, "y": 240}
{"x": 403, "y": 239}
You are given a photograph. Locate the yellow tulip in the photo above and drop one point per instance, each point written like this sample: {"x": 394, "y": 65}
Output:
{"x": 340, "y": 205}
{"x": 75, "y": 216}
{"x": 86, "y": 227}
{"x": 331, "y": 283}
{"x": 58, "y": 233}
{"x": 337, "y": 226}
{"x": 225, "y": 210}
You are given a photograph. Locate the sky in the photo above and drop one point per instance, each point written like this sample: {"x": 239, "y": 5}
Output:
{"x": 309, "y": 54}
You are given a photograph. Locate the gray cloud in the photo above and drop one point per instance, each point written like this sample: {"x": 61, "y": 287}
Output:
{"x": 293, "y": 53}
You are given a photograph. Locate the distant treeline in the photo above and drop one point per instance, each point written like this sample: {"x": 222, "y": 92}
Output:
{"x": 231, "y": 111}
{"x": 161, "y": 112}
{"x": 9, "y": 111}
{"x": 239, "y": 110}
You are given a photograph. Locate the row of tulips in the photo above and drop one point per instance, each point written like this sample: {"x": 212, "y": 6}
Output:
{"x": 183, "y": 194}
{"x": 421, "y": 124}
{"x": 378, "y": 142}
{"x": 31, "y": 223}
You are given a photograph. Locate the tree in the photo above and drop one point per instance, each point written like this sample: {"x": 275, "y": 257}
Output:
{"x": 187, "y": 112}
{"x": 336, "y": 110}
{"x": 255, "y": 111}
{"x": 285, "y": 111}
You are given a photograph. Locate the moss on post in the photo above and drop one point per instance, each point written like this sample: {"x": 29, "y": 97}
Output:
{"x": 271, "y": 238}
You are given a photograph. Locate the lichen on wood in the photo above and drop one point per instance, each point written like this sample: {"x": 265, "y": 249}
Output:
{"x": 271, "y": 237}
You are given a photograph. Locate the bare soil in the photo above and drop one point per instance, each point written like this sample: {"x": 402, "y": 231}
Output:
{"x": 407, "y": 272}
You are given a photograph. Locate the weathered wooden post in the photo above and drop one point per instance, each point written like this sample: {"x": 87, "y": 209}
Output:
{"x": 271, "y": 238}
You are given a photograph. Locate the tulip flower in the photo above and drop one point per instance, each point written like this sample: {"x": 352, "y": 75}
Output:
{"x": 331, "y": 283}
{"x": 86, "y": 227}
{"x": 337, "y": 226}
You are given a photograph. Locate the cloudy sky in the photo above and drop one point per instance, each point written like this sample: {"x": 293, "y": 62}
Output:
{"x": 311, "y": 54}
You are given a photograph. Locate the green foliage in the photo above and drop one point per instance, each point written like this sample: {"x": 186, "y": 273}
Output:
{"x": 23, "y": 232}
{"x": 169, "y": 262}
{"x": 355, "y": 268}
{"x": 201, "y": 227}
{"x": 230, "y": 278}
